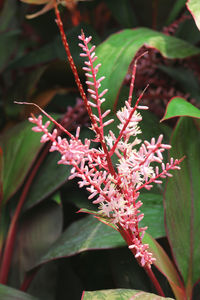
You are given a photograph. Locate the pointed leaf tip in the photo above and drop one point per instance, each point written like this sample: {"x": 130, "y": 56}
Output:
{"x": 179, "y": 107}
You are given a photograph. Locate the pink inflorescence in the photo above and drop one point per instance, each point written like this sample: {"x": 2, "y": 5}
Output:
{"x": 114, "y": 188}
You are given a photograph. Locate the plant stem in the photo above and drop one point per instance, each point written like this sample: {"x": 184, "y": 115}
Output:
{"x": 80, "y": 87}
{"x": 148, "y": 270}
{"x": 154, "y": 281}
{"x": 28, "y": 279}
{"x": 8, "y": 250}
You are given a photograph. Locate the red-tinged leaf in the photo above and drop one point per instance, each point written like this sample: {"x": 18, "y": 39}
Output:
{"x": 117, "y": 52}
{"x": 83, "y": 235}
{"x": 153, "y": 210}
{"x": 20, "y": 146}
{"x": 165, "y": 266}
{"x": 182, "y": 201}
{"x": 179, "y": 107}
{"x": 39, "y": 228}
{"x": 44, "y": 183}
{"x": 120, "y": 294}
{"x": 8, "y": 293}
{"x": 194, "y": 8}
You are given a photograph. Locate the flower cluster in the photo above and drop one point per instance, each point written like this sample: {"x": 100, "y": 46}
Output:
{"x": 114, "y": 188}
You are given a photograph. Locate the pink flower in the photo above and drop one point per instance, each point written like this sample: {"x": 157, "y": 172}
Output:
{"x": 114, "y": 188}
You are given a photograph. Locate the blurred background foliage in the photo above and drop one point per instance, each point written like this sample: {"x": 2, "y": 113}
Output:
{"x": 34, "y": 68}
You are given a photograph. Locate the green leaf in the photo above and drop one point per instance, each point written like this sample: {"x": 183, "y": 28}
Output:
{"x": 39, "y": 228}
{"x": 165, "y": 266}
{"x": 194, "y": 8}
{"x": 20, "y": 146}
{"x": 177, "y": 7}
{"x": 117, "y": 52}
{"x": 45, "y": 183}
{"x": 120, "y": 294}
{"x": 153, "y": 210}
{"x": 85, "y": 234}
{"x": 182, "y": 201}
{"x": 8, "y": 293}
{"x": 179, "y": 107}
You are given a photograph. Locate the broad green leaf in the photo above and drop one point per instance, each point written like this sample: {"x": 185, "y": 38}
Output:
{"x": 8, "y": 293}
{"x": 120, "y": 294}
{"x": 182, "y": 200}
{"x": 117, "y": 52}
{"x": 85, "y": 234}
{"x": 153, "y": 210}
{"x": 194, "y": 8}
{"x": 44, "y": 183}
{"x": 20, "y": 146}
{"x": 177, "y": 7}
{"x": 179, "y": 107}
{"x": 165, "y": 266}
{"x": 38, "y": 230}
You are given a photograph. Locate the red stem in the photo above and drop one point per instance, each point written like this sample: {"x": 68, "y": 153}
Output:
{"x": 155, "y": 281}
{"x": 28, "y": 279}
{"x": 148, "y": 270}
{"x": 81, "y": 90}
{"x": 126, "y": 123}
{"x": 8, "y": 251}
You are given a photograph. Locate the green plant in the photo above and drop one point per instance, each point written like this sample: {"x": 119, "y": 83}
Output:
{"x": 116, "y": 53}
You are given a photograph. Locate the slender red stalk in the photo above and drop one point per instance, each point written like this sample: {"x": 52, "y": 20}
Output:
{"x": 133, "y": 78}
{"x": 155, "y": 281}
{"x": 81, "y": 90}
{"x": 28, "y": 279}
{"x": 8, "y": 251}
{"x": 49, "y": 117}
{"x": 148, "y": 270}
{"x": 127, "y": 122}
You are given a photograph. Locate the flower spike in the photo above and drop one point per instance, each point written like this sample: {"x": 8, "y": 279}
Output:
{"x": 114, "y": 188}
